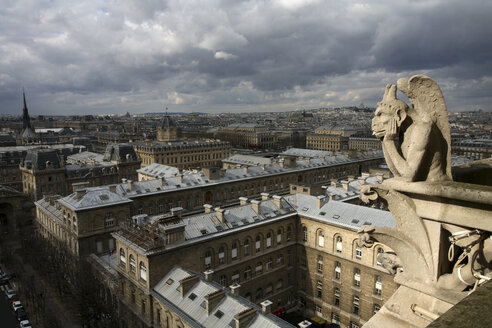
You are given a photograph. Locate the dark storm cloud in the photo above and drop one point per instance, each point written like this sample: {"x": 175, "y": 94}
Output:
{"x": 216, "y": 55}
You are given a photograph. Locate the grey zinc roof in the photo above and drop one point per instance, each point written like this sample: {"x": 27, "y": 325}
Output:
{"x": 300, "y": 152}
{"x": 92, "y": 198}
{"x": 340, "y": 213}
{"x": 84, "y": 157}
{"x": 247, "y": 159}
{"x": 194, "y": 311}
{"x": 159, "y": 170}
{"x": 339, "y": 193}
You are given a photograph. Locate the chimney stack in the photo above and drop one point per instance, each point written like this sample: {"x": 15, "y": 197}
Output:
{"x": 330, "y": 196}
{"x": 244, "y": 318}
{"x": 345, "y": 185}
{"x": 208, "y": 208}
{"x": 235, "y": 287}
{"x": 243, "y": 200}
{"x": 362, "y": 181}
{"x": 255, "y": 204}
{"x": 351, "y": 178}
{"x": 219, "y": 212}
{"x": 277, "y": 201}
{"x": 245, "y": 169}
{"x": 208, "y": 275}
{"x": 80, "y": 193}
{"x": 130, "y": 184}
{"x": 264, "y": 195}
{"x": 162, "y": 180}
{"x": 213, "y": 299}
{"x": 266, "y": 306}
{"x": 321, "y": 201}
{"x": 180, "y": 178}
{"x": 187, "y": 283}
{"x": 177, "y": 211}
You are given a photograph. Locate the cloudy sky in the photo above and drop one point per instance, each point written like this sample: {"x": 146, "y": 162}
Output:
{"x": 97, "y": 56}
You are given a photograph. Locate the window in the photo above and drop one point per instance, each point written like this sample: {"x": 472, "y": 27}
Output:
{"x": 355, "y": 309}
{"x": 234, "y": 251}
{"x": 269, "y": 289}
{"x": 223, "y": 280}
{"x": 289, "y": 233}
{"x": 358, "y": 253}
{"x": 221, "y": 255}
{"x": 335, "y": 318}
{"x": 280, "y": 259}
{"x": 318, "y": 309}
{"x": 304, "y": 234}
{"x": 357, "y": 277}
{"x": 320, "y": 264}
{"x": 246, "y": 247}
{"x": 247, "y": 273}
{"x": 321, "y": 239}
{"x": 336, "y": 299}
{"x": 279, "y": 236}
{"x": 259, "y": 268}
{"x": 208, "y": 260}
{"x": 269, "y": 264}
{"x": 339, "y": 244}
{"x": 354, "y": 325}
{"x": 338, "y": 270}
{"x": 379, "y": 251}
{"x": 133, "y": 266}
{"x": 319, "y": 289}
{"x": 235, "y": 277}
{"x": 108, "y": 220}
{"x": 258, "y": 243}
{"x": 122, "y": 257}
{"x": 143, "y": 271}
{"x": 376, "y": 308}
{"x": 269, "y": 240}
{"x": 280, "y": 284}
{"x": 378, "y": 287}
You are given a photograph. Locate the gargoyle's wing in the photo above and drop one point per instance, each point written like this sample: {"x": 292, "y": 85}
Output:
{"x": 428, "y": 102}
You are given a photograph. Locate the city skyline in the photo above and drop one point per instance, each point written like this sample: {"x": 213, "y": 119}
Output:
{"x": 219, "y": 56}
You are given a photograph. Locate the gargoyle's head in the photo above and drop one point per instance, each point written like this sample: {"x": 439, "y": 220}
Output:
{"x": 391, "y": 112}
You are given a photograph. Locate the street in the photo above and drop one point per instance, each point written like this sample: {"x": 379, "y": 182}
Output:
{"x": 7, "y": 316}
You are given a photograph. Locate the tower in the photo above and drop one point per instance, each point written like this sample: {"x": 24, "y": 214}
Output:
{"x": 27, "y": 135}
{"x": 167, "y": 129}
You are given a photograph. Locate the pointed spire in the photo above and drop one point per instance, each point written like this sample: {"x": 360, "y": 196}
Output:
{"x": 24, "y": 95}
{"x": 26, "y": 120}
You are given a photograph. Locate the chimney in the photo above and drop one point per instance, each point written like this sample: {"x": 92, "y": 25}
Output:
{"x": 308, "y": 160}
{"x": 245, "y": 169}
{"x": 208, "y": 208}
{"x": 243, "y": 200}
{"x": 244, "y": 318}
{"x": 334, "y": 157}
{"x": 219, "y": 212}
{"x": 262, "y": 167}
{"x": 130, "y": 184}
{"x": 266, "y": 307}
{"x": 321, "y": 201}
{"x": 255, "y": 204}
{"x": 362, "y": 180}
{"x": 380, "y": 177}
{"x": 330, "y": 196}
{"x": 180, "y": 178}
{"x": 177, "y": 211}
{"x": 187, "y": 283}
{"x": 123, "y": 180}
{"x": 162, "y": 180}
{"x": 345, "y": 185}
{"x": 213, "y": 299}
{"x": 235, "y": 287}
{"x": 365, "y": 174}
{"x": 304, "y": 324}
{"x": 208, "y": 275}
{"x": 277, "y": 201}
{"x": 264, "y": 195}
{"x": 351, "y": 178}
{"x": 80, "y": 193}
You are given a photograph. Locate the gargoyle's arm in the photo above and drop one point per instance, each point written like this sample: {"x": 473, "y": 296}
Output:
{"x": 389, "y": 162}
{"x": 419, "y": 141}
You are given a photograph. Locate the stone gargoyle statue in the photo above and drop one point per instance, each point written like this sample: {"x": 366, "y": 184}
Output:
{"x": 416, "y": 139}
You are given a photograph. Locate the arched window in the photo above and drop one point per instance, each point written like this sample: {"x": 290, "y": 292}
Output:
{"x": 247, "y": 273}
{"x": 269, "y": 240}
{"x": 143, "y": 271}
{"x": 258, "y": 243}
{"x": 379, "y": 251}
{"x": 279, "y": 236}
{"x": 321, "y": 239}
{"x": 304, "y": 234}
{"x": 234, "y": 251}
{"x": 221, "y": 255}
{"x": 133, "y": 265}
{"x": 246, "y": 247}
{"x": 235, "y": 277}
{"x": 208, "y": 259}
{"x": 289, "y": 233}
{"x": 122, "y": 257}
{"x": 339, "y": 244}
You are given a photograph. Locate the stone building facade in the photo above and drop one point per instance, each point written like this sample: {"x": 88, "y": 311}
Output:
{"x": 247, "y": 136}
{"x": 294, "y": 252}
{"x": 183, "y": 154}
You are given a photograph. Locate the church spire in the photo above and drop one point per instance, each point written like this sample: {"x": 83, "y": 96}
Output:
{"x": 26, "y": 120}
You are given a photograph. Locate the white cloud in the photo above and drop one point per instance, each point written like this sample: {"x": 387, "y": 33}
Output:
{"x": 224, "y": 55}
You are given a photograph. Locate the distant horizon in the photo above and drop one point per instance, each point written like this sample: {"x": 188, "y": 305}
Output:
{"x": 97, "y": 56}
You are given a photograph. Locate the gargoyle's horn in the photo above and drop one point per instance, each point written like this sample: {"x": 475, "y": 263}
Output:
{"x": 386, "y": 92}
{"x": 392, "y": 92}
